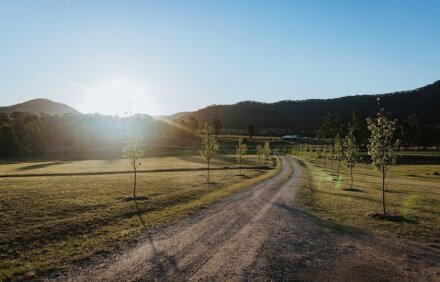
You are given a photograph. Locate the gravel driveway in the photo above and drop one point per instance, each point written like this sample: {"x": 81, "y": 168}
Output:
{"x": 260, "y": 235}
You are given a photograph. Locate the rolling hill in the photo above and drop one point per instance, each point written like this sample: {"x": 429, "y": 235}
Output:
{"x": 38, "y": 106}
{"x": 305, "y": 116}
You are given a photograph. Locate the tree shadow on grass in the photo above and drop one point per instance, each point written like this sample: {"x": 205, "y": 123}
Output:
{"x": 243, "y": 176}
{"x": 138, "y": 198}
{"x": 161, "y": 260}
{"x": 41, "y": 165}
{"x": 353, "y": 190}
{"x": 392, "y": 218}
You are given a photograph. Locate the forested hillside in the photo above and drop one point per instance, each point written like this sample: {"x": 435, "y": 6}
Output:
{"x": 305, "y": 116}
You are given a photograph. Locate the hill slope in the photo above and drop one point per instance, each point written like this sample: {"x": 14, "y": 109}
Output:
{"x": 304, "y": 116}
{"x": 38, "y": 106}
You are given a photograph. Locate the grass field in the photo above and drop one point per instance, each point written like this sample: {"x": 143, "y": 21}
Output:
{"x": 87, "y": 166}
{"x": 48, "y": 223}
{"x": 412, "y": 191}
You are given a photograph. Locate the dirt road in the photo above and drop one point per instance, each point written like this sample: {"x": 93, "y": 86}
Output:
{"x": 259, "y": 234}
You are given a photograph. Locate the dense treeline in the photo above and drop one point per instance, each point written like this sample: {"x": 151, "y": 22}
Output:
{"x": 27, "y": 135}
{"x": 304, "y": 117}
{"x": 410, "y": 131}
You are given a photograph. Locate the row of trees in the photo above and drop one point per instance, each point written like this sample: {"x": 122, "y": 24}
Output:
{"x": 410, "y": 131}
{"x": 133, "y": 151}
{"x": 210, "y": 146}
{"x": 21, "y": 132}
{"x": 381, "y": 145}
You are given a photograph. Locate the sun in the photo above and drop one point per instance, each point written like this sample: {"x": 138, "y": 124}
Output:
{"x": 116, "y": 97}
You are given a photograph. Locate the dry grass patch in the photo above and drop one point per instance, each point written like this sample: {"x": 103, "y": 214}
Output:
{"x": 49, "y": 223}
{"x": 412, "y": 192}
{"x": 88, "y": 166}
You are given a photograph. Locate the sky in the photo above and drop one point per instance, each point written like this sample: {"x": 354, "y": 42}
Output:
{"x": 163, "y": 57}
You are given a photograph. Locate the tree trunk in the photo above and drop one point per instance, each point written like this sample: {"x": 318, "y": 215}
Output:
{"x": 240, "y": 166}
{"x": 383, "y": 190}
{"x": 207, "y": 179}
{"x": 339, "y": 166}
{"x": 134, "y": 184}
{"x": 351, "y": 177}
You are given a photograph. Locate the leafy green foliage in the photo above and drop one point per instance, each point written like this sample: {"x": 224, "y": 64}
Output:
{"x": 209, "y": 145}
{"x": 381, "y": 143}
{"x": 351, "y": 154}
{"x": 133, "y": 151}
{"x": 330, "y": 126}
{"x": 381, "y": 146}
{"x": 351, "y": 151}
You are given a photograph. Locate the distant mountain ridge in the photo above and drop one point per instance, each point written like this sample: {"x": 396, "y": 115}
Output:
{"x": 38, "y": 106}
{"x": 305, "y": 115}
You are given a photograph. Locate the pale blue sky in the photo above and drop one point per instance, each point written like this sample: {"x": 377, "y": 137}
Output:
{"x": 170, "y": 56}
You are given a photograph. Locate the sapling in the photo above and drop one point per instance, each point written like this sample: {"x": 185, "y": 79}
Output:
{"x": 240, "y": 151}
{"x": 381, "y": 146}
{"x": 351, "y": 152}
{"x": 209, "y": 145}
{"x": 133, "y": 151}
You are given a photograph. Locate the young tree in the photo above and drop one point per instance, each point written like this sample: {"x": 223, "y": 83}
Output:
{"x": 240, "y": 151}
{"x": 338, "y": 152}
{"x": 217, "y": 126}
{"x": 351, "y": 152}
{"x": 260, "y": 153}
{"x": 209, "y": 145}
{"x": 381, "y": 146}
{"x": 133, "y": 151}
{"x": 267, "y": 151}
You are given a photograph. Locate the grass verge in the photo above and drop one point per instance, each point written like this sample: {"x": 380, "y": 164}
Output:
{"x": 412, "y": 192}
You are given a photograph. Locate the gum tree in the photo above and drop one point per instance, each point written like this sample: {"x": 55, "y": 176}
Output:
{"x": 209, "y": 146}
{"x": 133, "y": 151}
{"x": 381, "y": 146}
{"x": 240, "y": 151}
{"x": 351, "y": 152}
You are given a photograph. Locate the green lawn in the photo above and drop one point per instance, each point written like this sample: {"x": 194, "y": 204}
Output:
{"x": 48, "y": 223}
{"x": 413, "y": 191}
